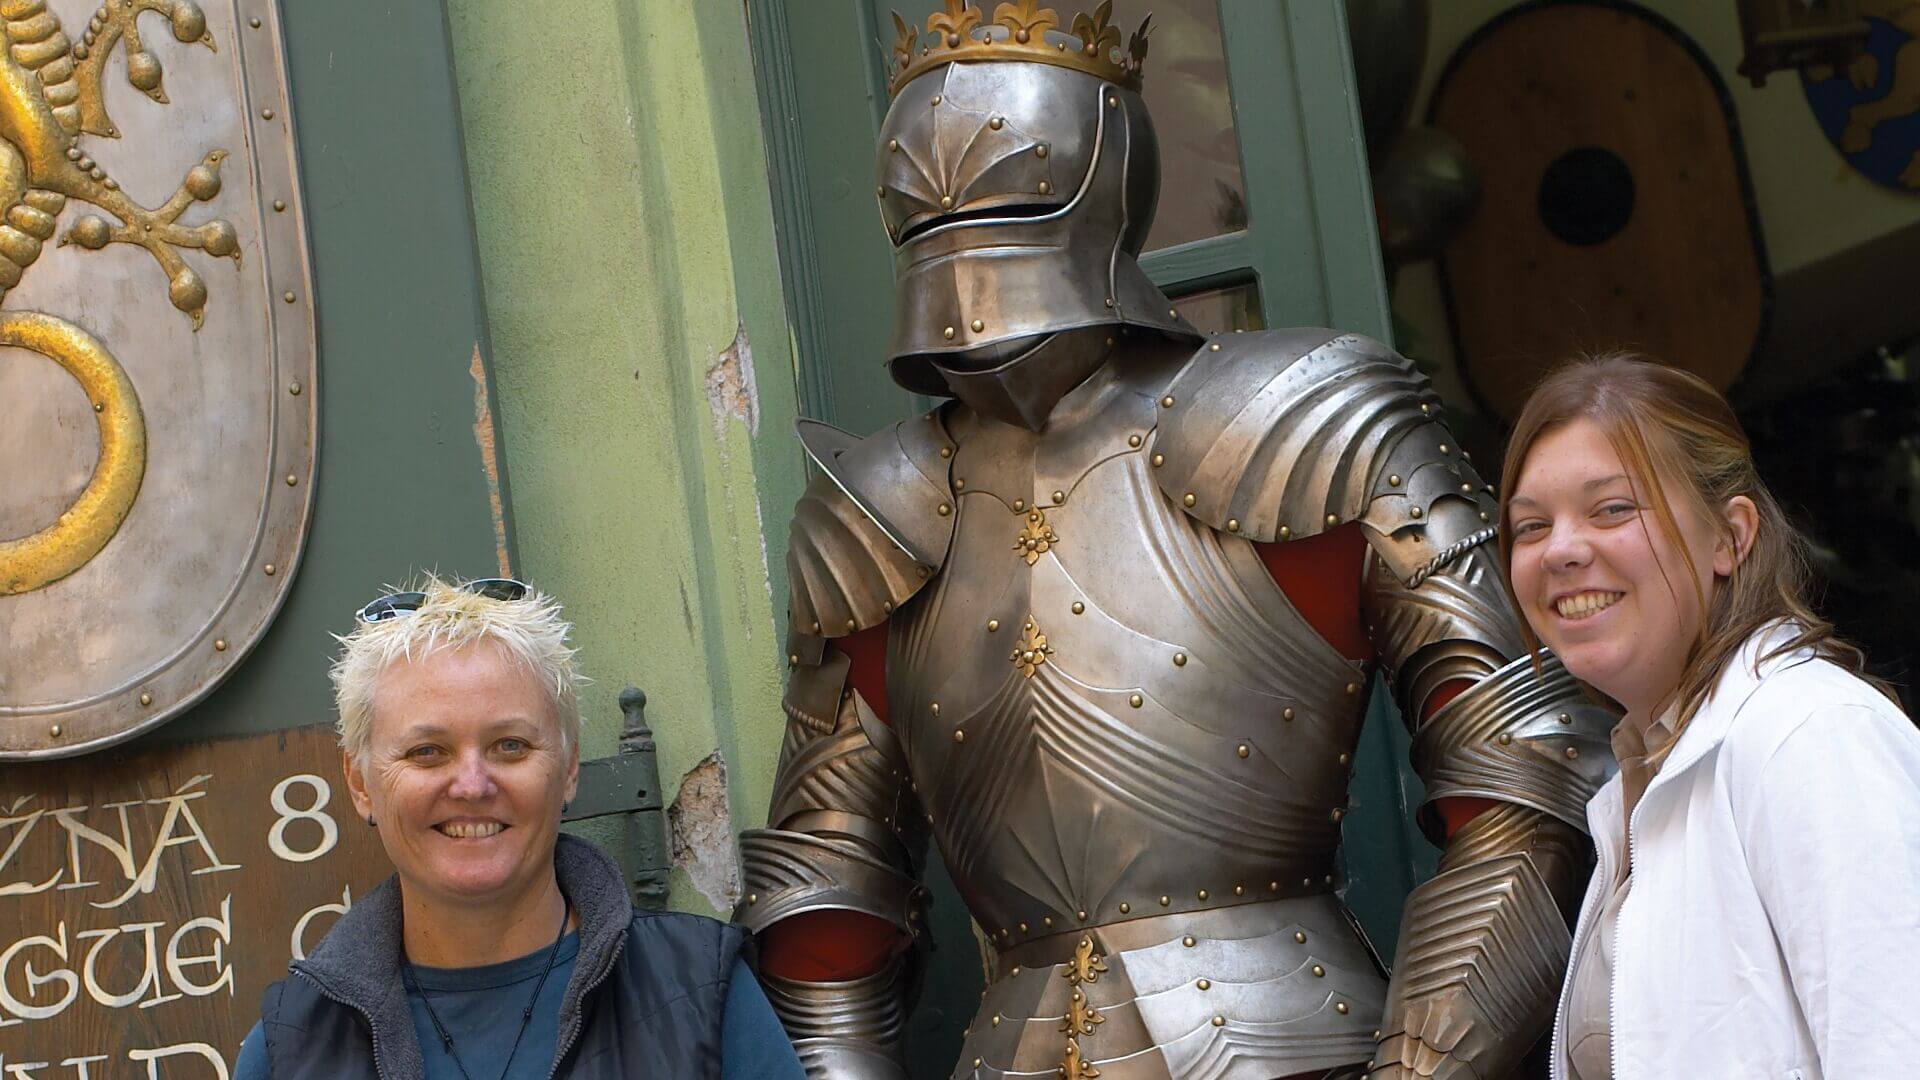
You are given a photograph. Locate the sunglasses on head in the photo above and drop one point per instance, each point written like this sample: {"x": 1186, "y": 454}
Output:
{"x": 394, "y": 605}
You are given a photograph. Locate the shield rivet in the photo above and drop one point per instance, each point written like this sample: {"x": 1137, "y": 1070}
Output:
{"x": 146, "y": 699}
{"x": 219, "y": 644}
{"x": 269, "y": 569}
{"x": 54, "y": 731}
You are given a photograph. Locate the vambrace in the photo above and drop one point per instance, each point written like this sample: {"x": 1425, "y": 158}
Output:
{"x": 1484, "y": 945}
{"x": 845, "y": 1029}
{"x": 1483, "y": 949}
{"x": 845, "y": 834}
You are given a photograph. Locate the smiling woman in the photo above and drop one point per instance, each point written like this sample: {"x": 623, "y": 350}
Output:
{"x": 1766, "y": 815}
{"x": 499, "y": 947}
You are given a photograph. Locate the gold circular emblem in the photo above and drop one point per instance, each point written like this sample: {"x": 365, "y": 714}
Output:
{"x": 35, "y": 561}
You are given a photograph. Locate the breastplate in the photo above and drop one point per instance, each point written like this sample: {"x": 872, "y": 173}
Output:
{"x": 1121, "y": 731}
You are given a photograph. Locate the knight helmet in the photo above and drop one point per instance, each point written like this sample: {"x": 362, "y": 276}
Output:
{"x": 1017, "y": 177}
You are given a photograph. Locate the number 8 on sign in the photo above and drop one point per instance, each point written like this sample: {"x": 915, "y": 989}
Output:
{"x": 329, "y": 832}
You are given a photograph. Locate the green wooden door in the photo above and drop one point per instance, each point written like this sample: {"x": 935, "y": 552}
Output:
{"x": 1265, "y": 219}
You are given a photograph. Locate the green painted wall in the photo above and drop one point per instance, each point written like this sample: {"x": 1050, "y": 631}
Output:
{"x": 627, "y": 253}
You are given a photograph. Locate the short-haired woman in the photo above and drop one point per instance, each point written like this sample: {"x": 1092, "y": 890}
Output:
{"x": 499, "y": 948}
{"x": 1756, "y": 907}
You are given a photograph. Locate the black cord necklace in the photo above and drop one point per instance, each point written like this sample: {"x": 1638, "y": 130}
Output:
{"x": 526, "y": 1015}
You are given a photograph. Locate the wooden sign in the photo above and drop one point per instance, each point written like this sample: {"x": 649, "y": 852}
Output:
{"x": 147, "y": 899}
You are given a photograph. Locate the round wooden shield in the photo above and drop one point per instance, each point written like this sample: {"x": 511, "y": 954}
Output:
{"x": 1615, "y": 210}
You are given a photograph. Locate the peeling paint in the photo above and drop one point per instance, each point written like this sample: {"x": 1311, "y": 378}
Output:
{"x": 489, "y": 458}
{"x": 701, "y": 825}
{"x": 731, "y": 394}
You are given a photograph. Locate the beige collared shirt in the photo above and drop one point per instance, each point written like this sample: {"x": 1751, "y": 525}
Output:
{"x": 1589, "y": 994}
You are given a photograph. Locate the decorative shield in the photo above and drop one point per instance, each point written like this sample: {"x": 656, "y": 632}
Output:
{"x": 1615, "y": 208}
{"x": 156, "y": 360}
{"x": 1870, "y": 110}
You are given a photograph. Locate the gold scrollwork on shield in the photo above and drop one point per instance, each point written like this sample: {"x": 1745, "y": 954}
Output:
{"x": 50, "y": 95}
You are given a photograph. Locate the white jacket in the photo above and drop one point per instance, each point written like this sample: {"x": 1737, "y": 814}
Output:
{"x": 1772, "y": 931}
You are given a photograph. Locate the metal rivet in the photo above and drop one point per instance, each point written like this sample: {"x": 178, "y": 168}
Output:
{"x": 996, "y": 1020}
{"x": 1443, "y": 449}
{"x": 254, "y": 22}
{"x": 1573, "y": 752}
{"x": 292, "y": 480}
{"x": 793, "y": 659}
{"x": 280, "y": 204}
{"x": 1112, "y": 101}
{"x": 992, "y": 625}
{"x": 1041, "y": 150}
{"x": 1285, "y": 532}
{"x": 1566, "y": 718}
{"x": 1346, "y": 759}
{"x": 1165, "y": 900}
{"x": 294, "y": 388}
{"x": 945, "y": 509}
{"x": 1340, "y": 1007}
{"x": 959, "y": 483}
{"x": 879, "y": 193}
{"x": 1506, "y": 738}
{"x": 1188, "y": 499}
{"x": 946, "y": 202}
{"x": 1219, "y": 1021}
{"x": 1215, "y": 347}
{"x": 1466, "y": 489}
{"x": 1319, "y": 972}
{"x": 1046, "y": 188}
{"x": 1204, "y": 984}
{"x": 1159, "y": 460}
{"x": 1125, "y": 907}
{"x": 1109, "y": 301}
{"x": 948, "y": 333}
{"x": 1202, "y": 894}
{"x": 1136, "y": 700}
{"x": 1187, "y": 941}
{"x": 935, "y": 101}
{"x": 1059, "y": 496}
{"x": 1023, "y": 928}
{"x": 269, "y": 569}
{"x": 753, "y": 898}
{"x": 1079, "y": 608}
{"x": 1273, "y": 886}
{"x": 1416, "y": 512}
{"x": 816, "y": 626}
{"x": 1233, "y": 525}
{"x": 934, "y": 708}
{"x": 1243, "y": 750}
{"x": 1167, "y": 402}
{"x": 1484, "y": 517}
{"x": 893, "y": 144}
{"x": 1353, "y": 688}
{"x": 1394, "y": 479}
{"x": 959, "y": 735}
{"x": 1426, "y": 409}
{"x": 1179, "y": 659}
{"x": 219, "y": 644}
{"x": 1338, "y": 813}
{"x": 1333, "y": 519}
{"x": 266, "y": 114}
{"x": 1081, "y": 915}
{"x": 1286, "y": 713}
{"x": 54, "y": 731}
{"x": 1133, "y": 440}
{"x": 1019, "y": 504}
{"x": 1300, "y": 936}
{"x": 99, "y": 407}
{"x": 977, "y": 325}
{"x": 852, "y": 626}
{"x": 997, "y": 123}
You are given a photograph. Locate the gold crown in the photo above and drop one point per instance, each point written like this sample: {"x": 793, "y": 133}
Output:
{"x": 1026, "y": 25}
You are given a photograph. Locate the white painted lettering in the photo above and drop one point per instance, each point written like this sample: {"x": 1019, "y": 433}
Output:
{"x": 300, "y": 928}
{"x": 22, "y": 1009}
{"x": 329, "y": 832}
{"x": 152, "y": 1057}
{"x": 222, "y": 928}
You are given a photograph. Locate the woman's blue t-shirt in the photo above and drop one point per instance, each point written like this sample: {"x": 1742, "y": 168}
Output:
{"x": 481, "y": 1008}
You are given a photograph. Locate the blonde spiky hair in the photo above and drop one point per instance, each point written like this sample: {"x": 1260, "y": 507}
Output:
{"x": 530, "y": 630}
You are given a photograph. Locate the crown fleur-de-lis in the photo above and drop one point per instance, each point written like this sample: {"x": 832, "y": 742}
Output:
{"x": 1097, "y": 32}
{"x": 955, "y": 22}
{"x": 1017, "y": 32}
{"x": 1025, "y": 20}
{"x": 905, "y": 38}
{"x": 1137, "y": 46}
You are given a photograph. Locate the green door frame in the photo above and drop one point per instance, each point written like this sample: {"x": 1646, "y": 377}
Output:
{"x": 1310, "y": 247}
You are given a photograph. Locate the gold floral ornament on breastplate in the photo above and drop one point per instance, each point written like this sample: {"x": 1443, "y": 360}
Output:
{"x": 1082, "y": 971}
{"x": 1031, "y": 651}
{"x": 1036, "y": 539}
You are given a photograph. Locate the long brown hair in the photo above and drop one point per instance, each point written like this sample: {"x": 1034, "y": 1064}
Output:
{"x": 1669, "y": 425}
